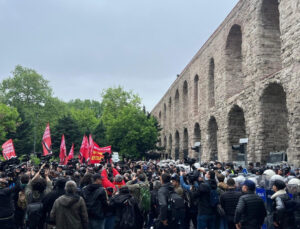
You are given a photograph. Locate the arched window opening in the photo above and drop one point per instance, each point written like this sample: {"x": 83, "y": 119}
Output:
{"x": 196, "y": 83}
{"x": 211, "y": 83}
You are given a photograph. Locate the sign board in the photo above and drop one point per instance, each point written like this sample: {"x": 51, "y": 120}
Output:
{"x": 244, "y": 141}
{"x": 275, "y": 157}
{"x": 197, "y": 144}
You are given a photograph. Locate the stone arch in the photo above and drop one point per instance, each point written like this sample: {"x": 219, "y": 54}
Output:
{"x": 170, "y": 111}
{"x": 185, "y": 143}
{"x": 165, "y": 143}
{"x": 177, "y": 106}
{"x": 177, "y": 145}
{"x": 271, "y": 41}
{"x": 211, "y": 83}
{"x": 212, "y": 139}
{"x": 233, "y": 61}
{"x": 274, "y": 114}
{"x": 185, "y": 100}
{"x": 170, "y": 146}
{"x": 196, "y": 93}
{"x": 236, "y": 129}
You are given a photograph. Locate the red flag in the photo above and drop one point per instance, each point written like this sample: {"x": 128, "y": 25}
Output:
{"x": 71, "y": 154}
{"x": 63, "y": 150}
{"x": 84, "y": 149}
{"x": 97, "y": 153}
{"x": 91, "y": 146}
{"x": 46, "y": 142}
{"x": 8, "y": 150}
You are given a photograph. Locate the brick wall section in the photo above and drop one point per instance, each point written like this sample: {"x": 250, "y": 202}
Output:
{"x": 256, "y": 56}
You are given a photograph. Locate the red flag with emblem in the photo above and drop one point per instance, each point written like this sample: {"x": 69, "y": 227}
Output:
{"x": 8, "y": 150}
{"x": 46, "y": 142}
{"x": 63, "y": 150}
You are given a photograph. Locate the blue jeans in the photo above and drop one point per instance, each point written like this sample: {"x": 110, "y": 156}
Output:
{"x": 206, "y": 221}
{"x": 110, "y": 222}
{"x": 96, "y": 223}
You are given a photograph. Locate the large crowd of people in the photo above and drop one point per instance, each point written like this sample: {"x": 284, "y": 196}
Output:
{"x": 148, "y": 194}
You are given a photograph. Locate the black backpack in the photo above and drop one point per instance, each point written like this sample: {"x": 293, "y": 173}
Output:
{"x": 128, "y": 217}
{"x": 34, "y": 215}
{"x": 176, "y": 207}
{"x": 93, "y": 205}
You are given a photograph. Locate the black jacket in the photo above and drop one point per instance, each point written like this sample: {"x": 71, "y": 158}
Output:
{"x": 250, "y": 211}
{"x": 229, "y": 201}
{"x": 6, "y": 201}
{"x": 163, "y": 195}
{"x": 96, "y": 200}
{"x": 202, "y": 196}
{"x": 282, "y": 215}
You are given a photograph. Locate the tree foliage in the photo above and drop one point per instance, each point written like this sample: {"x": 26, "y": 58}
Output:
{"x": 9, "y": 120}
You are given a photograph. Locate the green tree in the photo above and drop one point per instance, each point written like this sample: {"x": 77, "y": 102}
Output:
{"x": 99, "y": 134}
{"x": 129, "y": 129}
{"x": 69, "y": 127}
{"x": 86, "y": 119}
{"x": 86, "y": 104}
{"x": 25, "y": 89}
{"x": 9, "y": 120}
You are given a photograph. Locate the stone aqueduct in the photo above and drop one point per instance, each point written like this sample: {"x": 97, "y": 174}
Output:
{"x": 243, "y": 82}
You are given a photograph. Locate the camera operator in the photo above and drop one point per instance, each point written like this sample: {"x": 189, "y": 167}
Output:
{"x": 7, "y": 204}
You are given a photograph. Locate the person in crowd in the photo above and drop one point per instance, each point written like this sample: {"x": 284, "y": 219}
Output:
{"x": 69, "y": 210}
{"x": 250, "y": 211}
{"x": 222, "y": 187}
{"x": 283, "y": 212}
{"x": 96, "y": 202}
{"x": 162, "y": 195}
{"x": 175, "y": 180}
{"x": 229, "y": 201}
{"x": 6, "y": 204}
{"x": 49, "y": 199}
{"x": 128, "y": 215}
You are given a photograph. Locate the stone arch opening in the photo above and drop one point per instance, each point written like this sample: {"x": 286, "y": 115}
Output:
{"x": 236, "y": 129}
{"x": 213, "y": 139}
{"x": 185, "y": 100}
{"x": 211, "y": 83}
{"x": 170, "y": 111}
{"x": 274, "y": 120}
{"x": 177, "y": 145}
{"x": 165, "y": 114}
{"x": 159, "y": 117}
{"x": 185, "y": 143}
{"x": 197, "y": 136}
{"x": 170, "y": 145}
{"x": 233, "y": 63}
{"x": 165, "y": 144}
{"x": 196, "y": 91}
{"x": 271, "y": 41}
{"x": 176, "y": 108}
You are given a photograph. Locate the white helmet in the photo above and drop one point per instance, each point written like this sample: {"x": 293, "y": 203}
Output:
{"x": 276, "y": 177}
{"x": 294, "y": 181}
{"x": 239, "y": 179}
{"x": 253, "y": 179}
{"x": 269, "y": 173}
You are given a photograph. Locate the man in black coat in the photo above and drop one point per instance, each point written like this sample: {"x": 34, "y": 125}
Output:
{"x": 250, "y": 211}
{"x": 162, "y": 196}
{"x": 206, "y": 212}
{"x": 229, "y": 201}
{"x": 7, "y": 204}
{"x": 96, "y": 201}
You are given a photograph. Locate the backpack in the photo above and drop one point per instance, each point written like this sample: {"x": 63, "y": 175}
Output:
{"x": 176, "y": 207}
{"x": 128, "y": 216}
{"x": 145, "y": 198}
{"x": 34, "y": 215}
{"x": 94, "y": 208}
{"x": 214, "y": 197}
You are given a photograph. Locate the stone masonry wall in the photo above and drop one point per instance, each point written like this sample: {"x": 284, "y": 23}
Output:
{"x": 243, "y": 82}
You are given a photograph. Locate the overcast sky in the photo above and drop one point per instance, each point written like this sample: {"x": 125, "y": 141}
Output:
{"x": 85, "y": 46}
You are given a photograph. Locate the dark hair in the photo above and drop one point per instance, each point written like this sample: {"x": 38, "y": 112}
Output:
{"x": 142, "y": 177}
{"x": 279, "y": 184}
{"x": 86, "y": 179}
{"x": 96, "y": 176}
{"x": 230, "y": 182}
{"x": 165, "y": 178}
{"x": 39, "y": 184}
{"x": 212, "y": 175}
{"x": 25, "y": 179}
{"x": 221, "y": 177}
